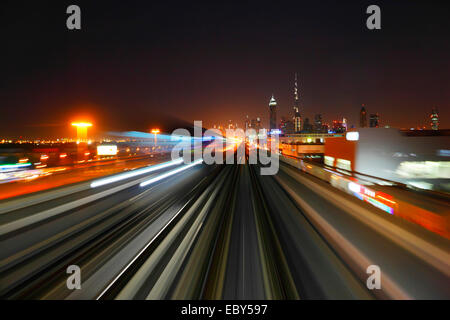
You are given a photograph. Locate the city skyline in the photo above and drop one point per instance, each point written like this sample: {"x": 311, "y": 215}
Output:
{"x": 426, "y": 123}
{"x": 225, "y": 155}
{"x": 130, "y": 74}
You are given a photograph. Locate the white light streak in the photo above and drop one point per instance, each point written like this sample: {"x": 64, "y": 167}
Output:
{"x": 134, "y": 173}
{"x": 170, "y": 173}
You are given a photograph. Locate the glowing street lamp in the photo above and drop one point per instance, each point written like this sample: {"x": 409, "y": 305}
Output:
{"x": 155, "y": 132}
{"x": 82, "y": 130}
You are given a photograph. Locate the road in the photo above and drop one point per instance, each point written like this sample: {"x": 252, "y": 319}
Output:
{"x": 216, "y": 232}
{"x": 30, "y": 181}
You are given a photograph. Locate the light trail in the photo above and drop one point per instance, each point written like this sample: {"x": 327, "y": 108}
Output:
{"x": 141, "y": 252}
{"x": 9, "y": 167}
{"x": 135, "y": 173}
{"x": 170, "y": 173}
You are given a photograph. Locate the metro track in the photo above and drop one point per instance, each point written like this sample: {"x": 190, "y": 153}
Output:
{"x": 39, "y": 271}
{"x": 214, "y": 232}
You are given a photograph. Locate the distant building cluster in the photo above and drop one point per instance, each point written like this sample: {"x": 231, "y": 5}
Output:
{"x": 299, "y": 125}
{"x": 254, "y": 124}
{"x": 296, "y": 124}
{"x": 374, "y": 119}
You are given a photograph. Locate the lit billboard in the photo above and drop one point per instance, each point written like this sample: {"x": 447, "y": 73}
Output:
{"x": 110, "y": 150}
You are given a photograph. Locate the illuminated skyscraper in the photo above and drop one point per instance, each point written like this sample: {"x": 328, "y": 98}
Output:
{"x": 374, "y": 120}
{"x": 363, "y": 117}
{"x": 256, "y": 124}
{"x": 286, "y": 126}
{"x": 434, "y": 119}
{"x": 297, "y": 116}
{"x": 318, "y": 123}
{"x": 307, "y": 127}
{"x": 297, "y": 120}
{"x": 345, "y": 124}
{"x": 273, "y": 113}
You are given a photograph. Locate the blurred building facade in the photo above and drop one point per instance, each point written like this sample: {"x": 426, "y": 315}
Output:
{"x": 418, "y": 158}
{"x": 374, "y": 120}
{"x": 434, "y": 119}
{"x": 363, "y": 117}
{"x": 273, "y": 113}
{"x": 297, "y": 117}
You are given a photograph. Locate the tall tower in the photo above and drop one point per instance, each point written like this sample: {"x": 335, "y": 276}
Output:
{"x": 434, "y": 119}
{"x": 318, "y": 123}
{"x": 247, "y": 123}
{"x": 363, "y": 117}
{"x": 297, "y": 116}
{"x": 273, "y": 113}
{"x": 374, "y": 120}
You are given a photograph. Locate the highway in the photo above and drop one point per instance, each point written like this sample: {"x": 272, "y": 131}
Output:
{"x": 35, "y": 180}
{"x": 214, "y": 232}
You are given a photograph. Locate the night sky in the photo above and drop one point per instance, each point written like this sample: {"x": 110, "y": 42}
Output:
{"x": 140, "y": 64}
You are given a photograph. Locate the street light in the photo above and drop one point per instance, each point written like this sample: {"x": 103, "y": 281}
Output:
{"x": 155, "y": 132}
{"x": 81, "y": 130}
